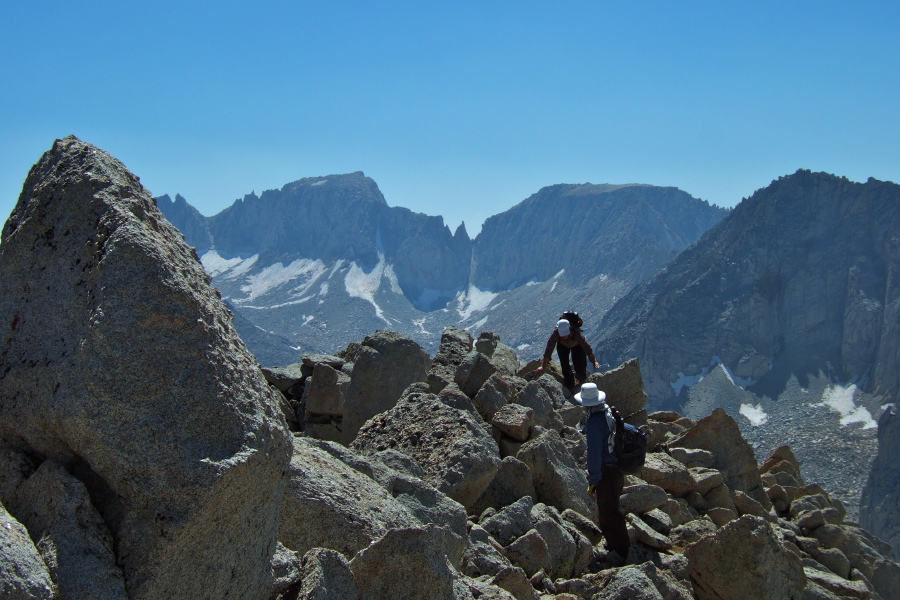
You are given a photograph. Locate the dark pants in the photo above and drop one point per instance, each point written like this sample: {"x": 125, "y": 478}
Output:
{"x": 611, "y": 521}
{"x": 578, "y": 359}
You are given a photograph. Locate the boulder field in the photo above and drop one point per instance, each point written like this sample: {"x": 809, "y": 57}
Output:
{"x": 145, "y": 454}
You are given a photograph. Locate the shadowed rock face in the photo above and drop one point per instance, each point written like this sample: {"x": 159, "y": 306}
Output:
{"x": 802, "y": 274}
{"x": 879, "y": 510}
{"x": 121, "y": 363}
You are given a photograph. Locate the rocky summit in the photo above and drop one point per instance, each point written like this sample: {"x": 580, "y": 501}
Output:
{"x": 145, "y": 454}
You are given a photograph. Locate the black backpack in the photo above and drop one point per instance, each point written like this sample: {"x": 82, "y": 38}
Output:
{"x": 572, "y": 317}
{"x": 630, "y": 444}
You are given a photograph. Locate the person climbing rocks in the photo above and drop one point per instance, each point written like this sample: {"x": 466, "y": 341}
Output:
{"x": 568, "y": 340}
{"x": 605, "y": 480}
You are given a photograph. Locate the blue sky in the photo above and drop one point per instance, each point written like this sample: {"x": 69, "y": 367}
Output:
{"x": 458, "y": 109}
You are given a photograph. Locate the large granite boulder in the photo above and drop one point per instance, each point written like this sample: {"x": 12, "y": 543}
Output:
{"x": 385, "y": 364}
{"x": 473, "y": 372}
{"x": 535, "y": 398}
{"x": 624, "y": 387}
{"x": 493, "y": 395}
{"x": 668, "y": 473}
{"x": 23, "y": 573}
{"x": 325, "y": 575}
{"x": 558, "y": 481}
{"x": 734, "y": 458}
{"x": 456, "y": 343}
{"x": 744, "y": 559}
{"x": 505, "y": 359}
{"x": 121, "y": 362}
{"x": 456, "y": 452}
{"x": 328, "y": 504}
{"x": 483, "y": 556}
{"x": 512, "y": 482}
{"x": 408, "y": 564}
{"x": 325, "y": 391}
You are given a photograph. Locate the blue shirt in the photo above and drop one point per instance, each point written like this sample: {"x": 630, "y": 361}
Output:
{"x": 598, "y": 454}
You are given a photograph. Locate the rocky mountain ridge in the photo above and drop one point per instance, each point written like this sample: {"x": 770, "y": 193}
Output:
{"x": 801, "y": 274}
{"x": 284, "y": 263}
{"x": 623, "y": 231}
{"x": 144, "y": 454}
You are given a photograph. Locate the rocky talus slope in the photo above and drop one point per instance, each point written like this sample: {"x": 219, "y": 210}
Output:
{"x": 498, "y": 447}
{"x": 144, "y": 454}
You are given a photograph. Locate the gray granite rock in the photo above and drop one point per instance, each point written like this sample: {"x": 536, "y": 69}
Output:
{"x": 455, "y": 345}
{"x": 719, "y": 433}
{"x": 328, "y": 504}
{"x": 742, "y": 560}
{"x": 23, "y": 573}
{"x": 473, "y": 372}
{"x": 493, "y": 395}
{"x": 511, "y": 522}
{"x": 409, "y": 564}
{"x": 72, "y": 538}
{"x": 456, "y": 453}
{"x": 326, "y": 391}
{"x": 386, "y": 364}
{"x": 558, "y": 481}
{"x": 642, "y": 498}
{"x": 535, "y": 398}
{"x": 514, "y": 420}
{"x": 664, "y": 471}
{"x": 284, "y": 377}
{"x": 325, "y": 575}
{"x": 560, "y": 543}
{"x": 482, "y": 555}
{"x": 530, "y": 552}
{"x": 511, "y": 483}
{"x": 123, "y": 357}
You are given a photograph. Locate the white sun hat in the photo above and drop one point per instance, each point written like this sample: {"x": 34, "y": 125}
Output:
{"x": 590, "y": 395}
{"x": 562, "y": 326}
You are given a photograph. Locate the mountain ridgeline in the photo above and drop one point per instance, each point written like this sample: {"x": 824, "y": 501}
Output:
{"x": 340, "y": 217}
{"x": 623, "y": 231}
{"x": 802, "y": 276}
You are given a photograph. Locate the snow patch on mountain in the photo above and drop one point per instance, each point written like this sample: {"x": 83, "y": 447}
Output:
{"x": 840, "y": 399}
{"x": 230, "y": 268}
{"x": 305, "y": 270}
{"x": 215, "y": 264}
{"x": 755, "y": 414}
{"x": 360, "y": 284}
{"x": 473, "y": 300}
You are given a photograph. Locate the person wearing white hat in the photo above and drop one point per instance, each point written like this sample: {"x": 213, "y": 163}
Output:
{"x": 568, "y": 339}
{"x": 605, "y": 480}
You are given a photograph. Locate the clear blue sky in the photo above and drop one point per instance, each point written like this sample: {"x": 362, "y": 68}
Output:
{"x": 460, "y": 109}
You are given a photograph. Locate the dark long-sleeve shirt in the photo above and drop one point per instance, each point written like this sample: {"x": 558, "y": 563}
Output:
{"x": 576, "y": 339}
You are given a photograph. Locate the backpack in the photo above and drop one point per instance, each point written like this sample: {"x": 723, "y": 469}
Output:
{"x": 626, "y": 440}
{"x": 630, "y": 445}
{"x": 573, "y": 318}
